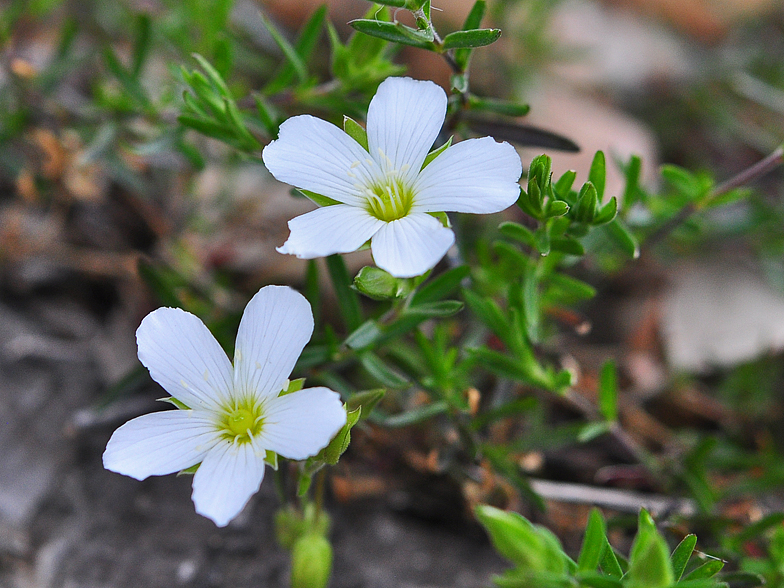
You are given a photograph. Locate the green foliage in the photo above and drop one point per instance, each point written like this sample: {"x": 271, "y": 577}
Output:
{"x": 539, "y": 559}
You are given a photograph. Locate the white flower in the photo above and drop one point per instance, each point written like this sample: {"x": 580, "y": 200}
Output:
{"x": 234, "y": 414}
{"x": 383, "y": 194}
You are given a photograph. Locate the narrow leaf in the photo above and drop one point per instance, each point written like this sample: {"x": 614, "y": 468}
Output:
{"x": 442, "y": 285}
{"x": 598, "y": 173}
{"x": 472, "y": 38}
{"x": 680, "y": 556}
{"x": 608, "y": 391}
{"x": 348, "y": 301}
{"x": 300, "y": 69}
{"x": 394, "y": 32}
{"x": 623, "y": 238}
{"x": 386, "y": 375}
{"x": 593, "y": 542}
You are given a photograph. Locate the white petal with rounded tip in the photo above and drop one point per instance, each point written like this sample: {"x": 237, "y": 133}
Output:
{"x": 226, "y": 479}
{"x": 276, "y": 325}
{"x": 315, "y": 155}
{"x": 404, "y": 119}
{"x": 332, "y": 229}
{"x": 160, "y": 443}
{"x": 411, "y": 245}
{"x": 301, "y": 424}
{"x": 477, "y": 175}
{"x": 184, "y": 358}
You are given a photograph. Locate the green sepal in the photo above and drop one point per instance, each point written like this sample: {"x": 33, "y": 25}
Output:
{"x": 272, "y": 459}
{"x": 178, "y": 403}
{"x": 366, "y": 400}
{"x": 293, "y": 386}
{"x": 303, "y": 485}
{"x": 315, "y": 198}
{"x": 189, "y": 471}
{"x": 443, "y": 217}
{"x": 340, "y": 442}
{"x": 473, "y": 38}
{"x": 436, "y": 152}
{"x": 356, "y": 131}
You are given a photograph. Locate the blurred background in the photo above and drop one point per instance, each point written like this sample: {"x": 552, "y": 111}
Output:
{"x": 110, "y": 208}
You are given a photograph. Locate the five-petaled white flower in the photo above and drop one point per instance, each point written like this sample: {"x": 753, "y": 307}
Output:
{"x": 384, "y": 194}
{"x": 234, "y": 414}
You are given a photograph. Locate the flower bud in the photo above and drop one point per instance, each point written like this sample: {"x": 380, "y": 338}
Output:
{"x": 311, "y": 562}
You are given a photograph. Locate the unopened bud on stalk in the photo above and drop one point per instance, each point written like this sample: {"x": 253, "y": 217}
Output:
{"x": 311, "y": 562}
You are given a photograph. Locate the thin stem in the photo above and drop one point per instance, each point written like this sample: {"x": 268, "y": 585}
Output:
{"x": 321, "y": 477}
{"x": 756, "y": 171}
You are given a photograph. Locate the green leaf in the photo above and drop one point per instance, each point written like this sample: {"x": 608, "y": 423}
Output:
{"x": 356, "y": 131}
{"x": 587, "y": 204}
{"x": 567, "y": 245}
{"x": 682, "y": 180}
{"x": 473, "y": 38}
{"x": 441, "y": 309}
{"x": 564, "y": 184}
{"x": 348, "y": 301}
{"x": 591, "y": 431}
{"x": 606, "y": 213}
{"x": 609, "y": 562}
{"x": 411, "y": 417}
{"x": 214, "y": 77}
{"x": 707, "y": 570}
{"x": 598, "y": 174}
{"x": 392, "y": 3}
{"x": 649, "y": 562}
{"x": 442, "y": 285}
{"x": 266, "y": 115}
{"x": 542, "y": 239}
{"x": 619, "y": 234}
{"x": 367, "y": 400}
{"x": 593, "y": 542}
{"x": 556, "y": 208}
{"x": 300, "y": 69}
{"x": 365, "y": 335}
{"x": 141, "y": 44}
{"x": 382, "y": 372}
{"x": 596, "y": 580}
{"x": 680, "y": 556}
{"x": 394, "y": 32}
{"x": 529, "y": 547}
{"x": 436, "y": 152}
{"x": 377, "y": 284}
{"x": 511, "y": 368}
{"x": 496, "y": 106}
{"x": 306, "y": 43}
{"x": 517, "y": 232}
{"x": 632, "y": 173}
{"x": 608, "y": 391}
{"x": 472, "y": 21}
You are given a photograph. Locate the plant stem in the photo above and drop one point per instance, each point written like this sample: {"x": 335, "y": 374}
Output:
{"x": 756, "y": 171}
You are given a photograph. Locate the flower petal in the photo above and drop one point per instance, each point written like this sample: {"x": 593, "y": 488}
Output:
{"x": 226, "y": 479}
{"x": 477, "y": 175}
{"x": 315, "y": 155}
{"x": 184, "y": 358}
{"x": 160, "y": 443}
{"x": 411, "y": 245}
{"x": 301, "y": 424}
{"x": 276, "y": 325}
{"x": 404, "y": 119}
{"x": 332, "y": 229}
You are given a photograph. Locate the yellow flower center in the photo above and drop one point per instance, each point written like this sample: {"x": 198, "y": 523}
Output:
{"x": 391, "y": 200}
{"x": 242, "y": 421}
